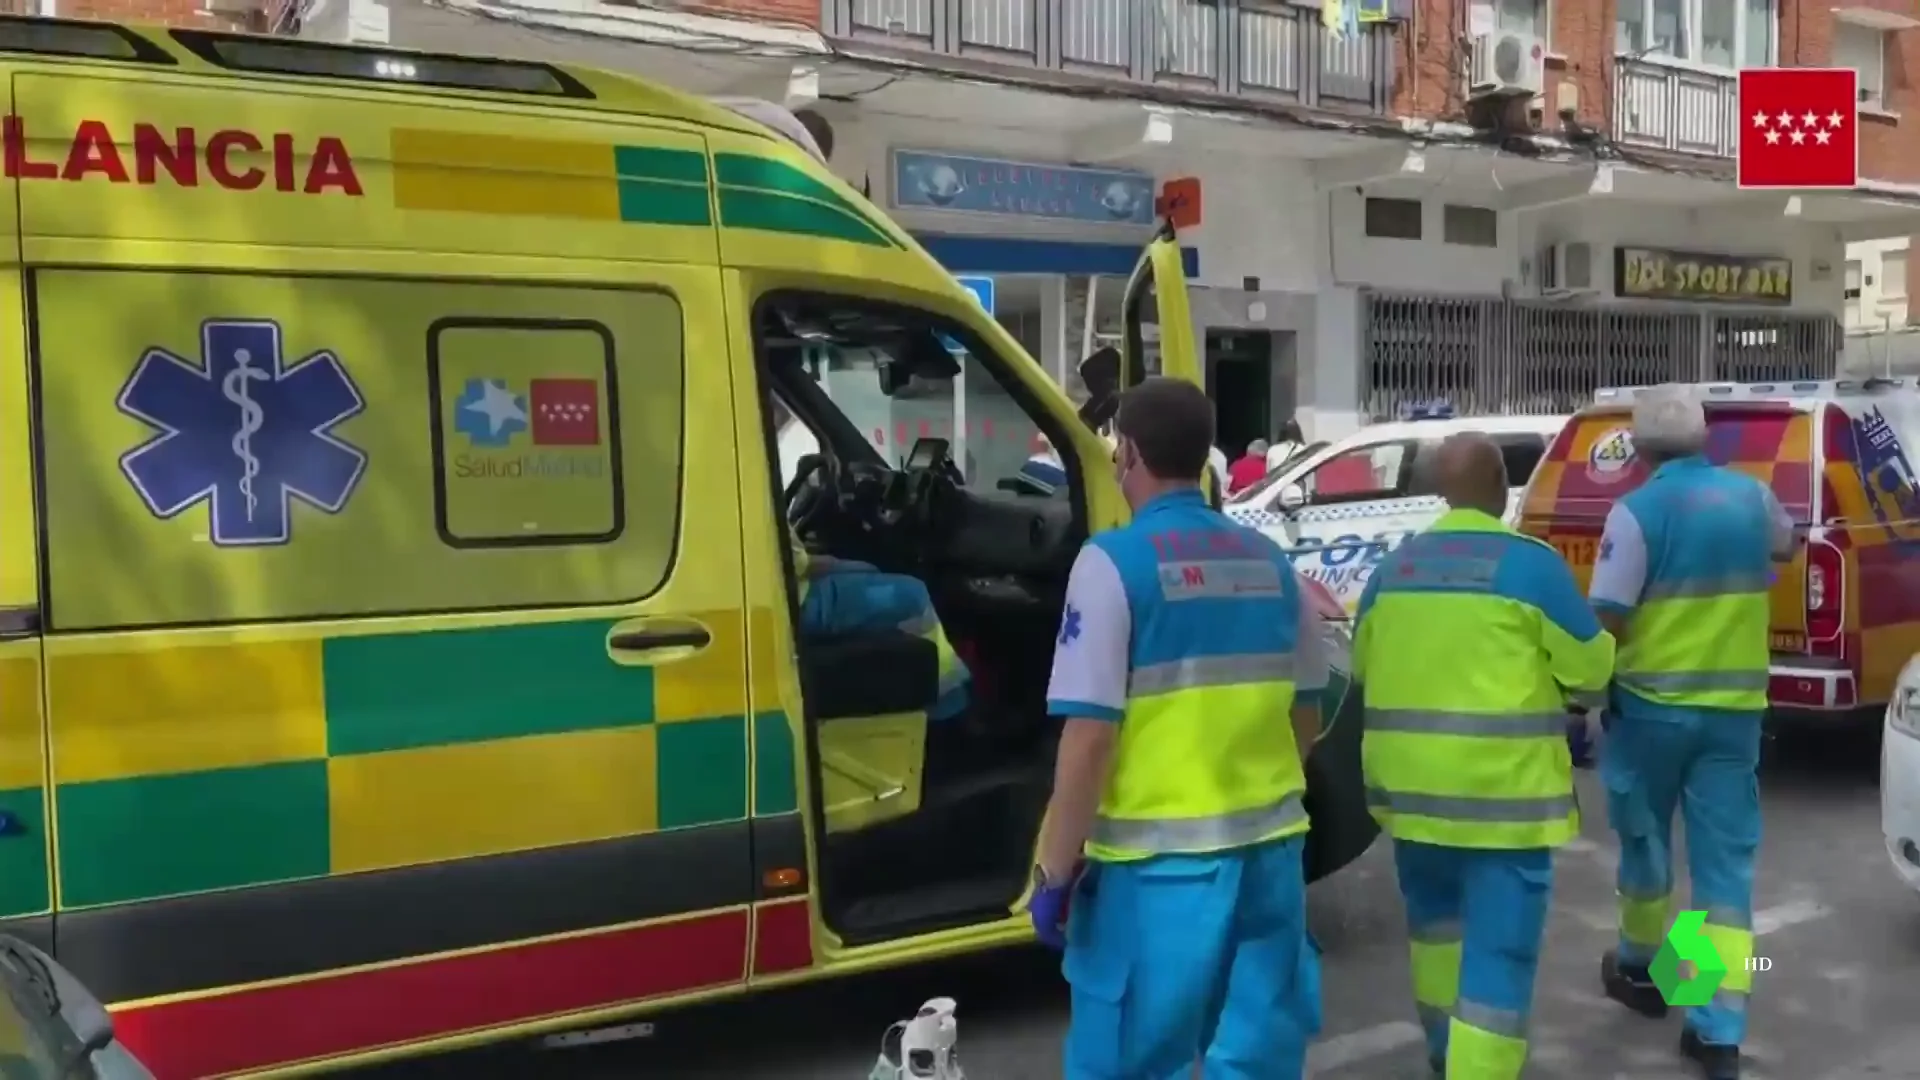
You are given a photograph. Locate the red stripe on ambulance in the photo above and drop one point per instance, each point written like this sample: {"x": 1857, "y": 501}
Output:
{"x": 364, "y": 1010}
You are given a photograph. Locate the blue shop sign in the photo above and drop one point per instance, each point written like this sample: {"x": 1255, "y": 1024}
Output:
{"x": 977, "y": 185}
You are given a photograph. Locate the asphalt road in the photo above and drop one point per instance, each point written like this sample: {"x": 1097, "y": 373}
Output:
{"x": 1841, "y": 1003}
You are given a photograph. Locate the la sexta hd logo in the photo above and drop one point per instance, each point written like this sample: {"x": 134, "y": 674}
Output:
{"x": 1688, "y": 969}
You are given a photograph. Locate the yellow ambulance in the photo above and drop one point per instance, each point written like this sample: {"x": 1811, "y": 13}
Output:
{"x": 397, "y": 641}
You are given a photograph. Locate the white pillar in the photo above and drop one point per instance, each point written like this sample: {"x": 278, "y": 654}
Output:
{"x": 1330, "y": 377}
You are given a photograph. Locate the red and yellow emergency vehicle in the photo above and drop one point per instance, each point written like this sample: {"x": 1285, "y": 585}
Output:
{"x": 1840, "y": 457}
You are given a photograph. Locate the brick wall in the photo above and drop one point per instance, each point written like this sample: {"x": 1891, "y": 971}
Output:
{"x": 1582, "y": 55}
{"x": 1889, "y": 148}
{"x": 802, "y": 12}
{"x": 231, "y": 14}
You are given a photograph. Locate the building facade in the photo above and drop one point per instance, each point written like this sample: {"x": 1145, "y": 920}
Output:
{"x": 1504, "y": 203}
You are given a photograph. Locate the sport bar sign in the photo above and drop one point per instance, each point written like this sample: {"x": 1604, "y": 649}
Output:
{"x": 1657, "y": 274}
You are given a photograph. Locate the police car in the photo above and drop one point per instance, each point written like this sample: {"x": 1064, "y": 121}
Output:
{"x": 1345, "y": 506}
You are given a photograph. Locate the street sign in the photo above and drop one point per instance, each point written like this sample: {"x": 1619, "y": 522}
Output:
{"x": 981, "y": 288}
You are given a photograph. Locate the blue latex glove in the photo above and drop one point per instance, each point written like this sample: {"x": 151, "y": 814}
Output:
{"x": 1049, "y": 908}
{"x": 1580, "y": 741}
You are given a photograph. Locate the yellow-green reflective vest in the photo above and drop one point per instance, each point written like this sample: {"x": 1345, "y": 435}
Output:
{"x": 1206, "y": 759}
{"x": 1699, "y": 636}
{"x": 1470, "y": 637}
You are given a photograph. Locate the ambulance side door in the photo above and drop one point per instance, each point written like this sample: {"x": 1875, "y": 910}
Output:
{"x": 26, "y": 896}
{"x": 1161, "y": 277}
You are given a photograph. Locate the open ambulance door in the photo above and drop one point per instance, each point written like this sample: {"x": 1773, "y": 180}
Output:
{"x": 1161, "y": 277}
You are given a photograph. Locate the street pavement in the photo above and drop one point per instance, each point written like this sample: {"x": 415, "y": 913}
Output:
{"x": 1842, "y": 1001}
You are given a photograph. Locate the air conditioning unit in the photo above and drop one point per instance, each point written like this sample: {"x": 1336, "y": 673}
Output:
{"x": 1510, "y": 64}
{"x": 1567, "y": 270}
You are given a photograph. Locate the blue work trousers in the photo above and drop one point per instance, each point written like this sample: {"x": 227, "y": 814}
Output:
{"x": 856, "y": 598}
{"x": 1703, "y": 762}
{"x": 1181, "y": 958}
{"x": 1475, "y": 918}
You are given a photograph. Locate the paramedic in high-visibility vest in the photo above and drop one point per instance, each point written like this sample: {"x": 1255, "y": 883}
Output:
{"x": 1682, "y": 578}
{"x": 1187, "y": 673}
{"x": 1469, "y": 641}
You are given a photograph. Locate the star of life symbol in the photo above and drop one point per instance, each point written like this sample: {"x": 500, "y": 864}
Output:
{"x": 243, "y": 430}
{"x": 1796, "y": 130}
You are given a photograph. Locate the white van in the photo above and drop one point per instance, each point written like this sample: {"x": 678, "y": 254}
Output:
{"x": 1350, "y": 503}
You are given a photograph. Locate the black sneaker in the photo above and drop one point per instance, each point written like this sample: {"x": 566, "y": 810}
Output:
{"x": 1716, "y": 1062}
{"x": 1630, "y": 985}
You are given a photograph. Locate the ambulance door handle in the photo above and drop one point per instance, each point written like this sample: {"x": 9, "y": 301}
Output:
{"x": 660, "y": 638}
{"x": 19, "y": 622}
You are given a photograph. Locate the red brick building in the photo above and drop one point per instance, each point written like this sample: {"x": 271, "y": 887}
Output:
{"x": 1635, "y": 72}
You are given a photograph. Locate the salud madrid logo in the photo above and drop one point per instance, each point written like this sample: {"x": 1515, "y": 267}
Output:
{"x": 513, "y": 431}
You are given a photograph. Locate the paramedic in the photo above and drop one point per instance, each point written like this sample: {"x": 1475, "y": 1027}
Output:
{"x": 845, "y": 597}
{"x": 1469, "y": 639}
{"x": 1186, "y": 640}
{"x": 1682, "y": 578}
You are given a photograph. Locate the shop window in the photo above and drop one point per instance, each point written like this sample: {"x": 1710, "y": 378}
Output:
{"x": 527, "y": 438}
{"x": 1470, "y": 226}
{"x": 1865, "y": 51}
{"x": 1393, "y": 219}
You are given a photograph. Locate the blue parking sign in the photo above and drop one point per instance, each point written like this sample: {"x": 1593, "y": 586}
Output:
{"x": 982, "y": 290}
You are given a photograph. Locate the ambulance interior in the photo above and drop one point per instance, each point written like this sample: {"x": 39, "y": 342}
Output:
{"x": 922, "y": 826}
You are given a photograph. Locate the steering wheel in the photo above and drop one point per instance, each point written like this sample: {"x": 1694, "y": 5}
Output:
{"x": 812, "y": 492}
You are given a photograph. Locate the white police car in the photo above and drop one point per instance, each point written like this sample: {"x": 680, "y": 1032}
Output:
{"x": 1344, "y": 507}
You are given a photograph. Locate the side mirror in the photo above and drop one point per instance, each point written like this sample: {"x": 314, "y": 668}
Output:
{"x": 1101, "y": 374}
{"x": 1292, "y": 497}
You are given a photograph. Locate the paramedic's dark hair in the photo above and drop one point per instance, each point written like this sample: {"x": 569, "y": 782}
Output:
{"x": 1170, "y": 424}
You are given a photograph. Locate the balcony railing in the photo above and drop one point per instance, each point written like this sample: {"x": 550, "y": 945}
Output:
{"x": 1672, "y": 108}
{"x": 1273, "y": 51}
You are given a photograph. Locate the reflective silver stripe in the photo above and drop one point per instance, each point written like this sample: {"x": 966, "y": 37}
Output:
{"x": 1728, "y": 918}
{"x": 920, "y": 625}
{"x": 1675, "y": 682}
{"x": 1202, "y": 833}
{"x": 1466, "y": 808}
{"x": 1197, "y": 671}
{"x": 1661, "y": 897}
{"x": 1505, "y": 1022}
{"x": 1701, "y": 588}
{"x": 1480, "y": 725}
{"x": 1432, "y": 1017}
{"x": 1203, "y": 579}
{"x": 1444, "y": 932}
{"x": 1730, "y": 1000}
